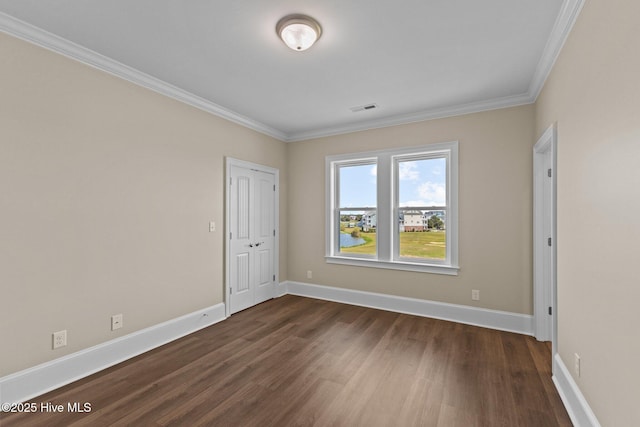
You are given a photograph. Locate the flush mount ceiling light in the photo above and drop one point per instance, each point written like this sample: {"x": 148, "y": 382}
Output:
{"x": 299, "y": 32}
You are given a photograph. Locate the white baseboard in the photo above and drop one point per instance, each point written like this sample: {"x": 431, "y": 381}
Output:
{"x": 35, "y": 381}
{"x": 282, "y": 289}
{"x": 493, "y": 319}
{"x": 577, "y": 407}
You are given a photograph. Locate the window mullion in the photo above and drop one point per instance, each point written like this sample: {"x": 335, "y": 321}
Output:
{"x": 385, "y": 216}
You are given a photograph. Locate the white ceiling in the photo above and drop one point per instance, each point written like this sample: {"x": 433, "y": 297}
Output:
{"x": 416, "y": 59}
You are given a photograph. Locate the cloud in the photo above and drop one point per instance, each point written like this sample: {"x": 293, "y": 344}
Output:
{"x": 374, "y": 175}
{"x": 432, "y": 193}
{"x": 410, "y": 203}
{"x": 408, "y": 171}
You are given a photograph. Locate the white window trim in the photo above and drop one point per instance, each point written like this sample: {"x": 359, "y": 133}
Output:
{"x": 386, "y": 246}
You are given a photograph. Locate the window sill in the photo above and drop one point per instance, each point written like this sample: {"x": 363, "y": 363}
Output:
{"x": 395, "y": 265}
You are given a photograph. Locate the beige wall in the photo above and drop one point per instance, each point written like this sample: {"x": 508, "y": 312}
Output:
{"x": 593, "y": 93}
{"x": 106, "y": 192}
{"x": 495, "y": 204}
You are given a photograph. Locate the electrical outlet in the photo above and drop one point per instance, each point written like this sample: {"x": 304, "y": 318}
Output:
{"x": 576, "y": 364}
{"x": 475, "y": 294}
{"x": 116, "y": 322}
{"x": 59, "y": 339}
{"x": 309, "y": 274}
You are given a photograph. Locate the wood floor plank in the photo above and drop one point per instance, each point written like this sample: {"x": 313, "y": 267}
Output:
{"x": 297, "y": 361}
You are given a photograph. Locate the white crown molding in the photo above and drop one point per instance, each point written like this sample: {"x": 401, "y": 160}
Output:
{"x": 47, "y": 40}
{"x": 564, "y": 24}
{"x": 562, "y": 27}
{"x": 492, "y": 319}
{"x": 35, "y": 381}
{"x": 577, "y": 406}
{"x": 430, "y": 114}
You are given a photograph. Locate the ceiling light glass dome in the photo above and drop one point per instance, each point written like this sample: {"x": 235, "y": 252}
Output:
{"x": 299, "y": 32}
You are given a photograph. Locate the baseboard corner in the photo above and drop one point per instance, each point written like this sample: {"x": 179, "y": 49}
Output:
{"x": 282, "y": 289}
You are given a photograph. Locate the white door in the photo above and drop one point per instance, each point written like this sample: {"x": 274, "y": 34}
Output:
{"x": 252, "y": 241}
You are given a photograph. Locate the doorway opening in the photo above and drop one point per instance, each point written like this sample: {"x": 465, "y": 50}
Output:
{"x": 544, "y": 238}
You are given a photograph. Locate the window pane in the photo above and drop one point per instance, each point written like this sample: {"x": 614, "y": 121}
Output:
{"x": 422, "y": 198}
{"x": 357, "y": 186}
{"x": 358, "y": 232}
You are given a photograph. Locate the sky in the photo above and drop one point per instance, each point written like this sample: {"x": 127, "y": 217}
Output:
{"x": 421, "y": 183}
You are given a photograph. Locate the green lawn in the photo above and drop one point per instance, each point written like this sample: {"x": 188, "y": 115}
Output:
{"x": 430, "y": 244}
{"x": 418, "y": 244}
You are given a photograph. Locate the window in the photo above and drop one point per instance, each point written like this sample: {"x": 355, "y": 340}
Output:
{"x": 394, "y": 209}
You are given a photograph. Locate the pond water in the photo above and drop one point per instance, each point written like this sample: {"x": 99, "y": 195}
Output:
{"x": 346, "y": 240}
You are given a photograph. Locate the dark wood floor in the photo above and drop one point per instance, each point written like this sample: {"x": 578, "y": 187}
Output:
{"x": 296, "y": 361}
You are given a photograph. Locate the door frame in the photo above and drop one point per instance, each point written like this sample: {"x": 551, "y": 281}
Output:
{"x": 545, "y": 288}
{"x": 230, "y": 161}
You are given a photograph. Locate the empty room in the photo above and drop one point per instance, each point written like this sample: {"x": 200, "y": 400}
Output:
{"x": 337, "y": 213}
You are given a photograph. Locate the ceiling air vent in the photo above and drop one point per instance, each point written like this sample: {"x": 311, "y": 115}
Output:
{"x": 363, "y": 108}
